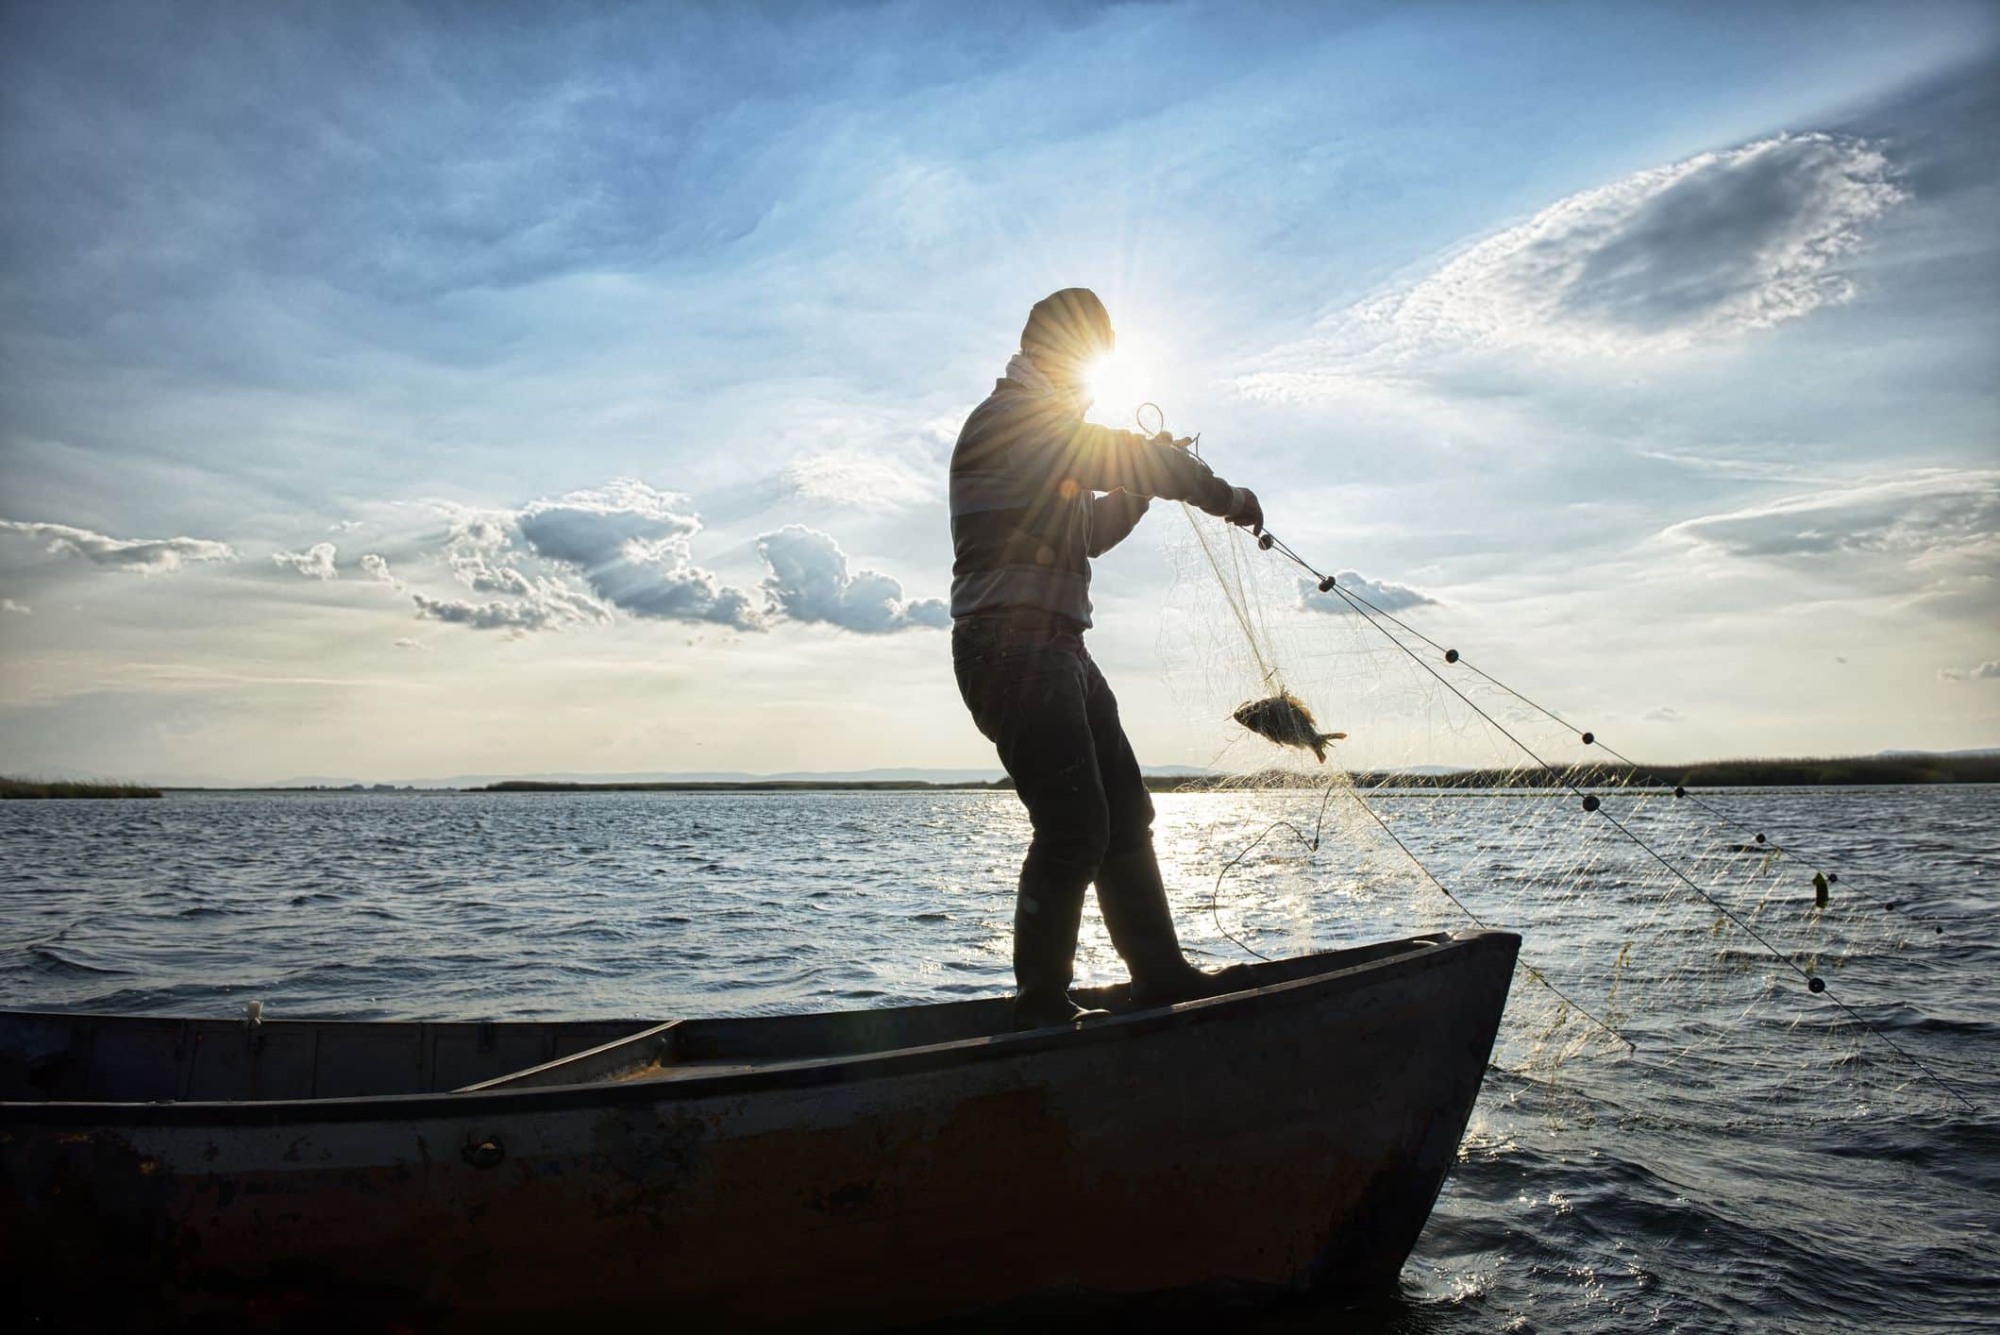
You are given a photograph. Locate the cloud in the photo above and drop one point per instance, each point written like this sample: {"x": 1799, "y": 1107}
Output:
{"x": 586, "y": 528}
{"x": 630, "y": 543}
{"x": 625, "y": 547}
{"x": 480, "y": 552}
{"x": 1670, "y": 258}
{"x": 574, "y": 559}
{"x": 667, "y": 588}
{"x": 1930, "y": 515}
{"x": 146, "y": 556}
{"x": 477, "y": 550}
{"x": 9, "y": 605}
{"x": 1928, "y": 539}
{"x": 1988, "y": 671}
{"x": 809, "y": 581}
{"x": 543, "y": 604}
{"x": 1664, "y": 714}
{"x": 475, "y": 570}
{"x": 862, "y": 480}
{"x": 316, "y": 562}
{"x": 1385, "y": 596}
{"x": 413, "y": 644}
{"x": 1785, "y": 467}
{"x": 521, "y": 616}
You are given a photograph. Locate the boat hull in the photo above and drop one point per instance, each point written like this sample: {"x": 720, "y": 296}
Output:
{"x": 1287, "y": 1137}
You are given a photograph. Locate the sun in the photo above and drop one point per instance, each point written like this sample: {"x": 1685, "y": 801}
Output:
{"x": 1119, "y": 382}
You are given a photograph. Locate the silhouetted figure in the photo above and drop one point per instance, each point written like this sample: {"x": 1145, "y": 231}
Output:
{"x": 1035, "y": 493}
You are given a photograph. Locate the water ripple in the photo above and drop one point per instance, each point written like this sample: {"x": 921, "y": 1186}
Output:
{"x": 1759, "y": 1163}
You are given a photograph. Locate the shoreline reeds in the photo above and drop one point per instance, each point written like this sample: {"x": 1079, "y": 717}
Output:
{"x": 65, "y": 788}
{"x": 1802, "y": 772}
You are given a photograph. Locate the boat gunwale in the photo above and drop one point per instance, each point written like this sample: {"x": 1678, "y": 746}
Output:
{"x": 776, "y": 1075}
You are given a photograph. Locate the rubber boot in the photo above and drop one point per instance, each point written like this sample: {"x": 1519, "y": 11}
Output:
{"x": 1141, "y": 923}
{"x": 1045, "y": 926}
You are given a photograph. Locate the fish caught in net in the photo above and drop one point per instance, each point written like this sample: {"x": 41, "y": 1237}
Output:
{"x": 1661, "y": 938}
{"x": 1284, "y": 719}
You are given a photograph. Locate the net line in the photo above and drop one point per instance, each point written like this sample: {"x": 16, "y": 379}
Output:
{"x": 1228, "y": 568}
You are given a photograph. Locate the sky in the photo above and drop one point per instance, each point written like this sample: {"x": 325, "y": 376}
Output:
{"x": 397, "y": 392}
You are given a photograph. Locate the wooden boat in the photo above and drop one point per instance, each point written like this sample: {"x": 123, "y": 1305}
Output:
{"x": 834, "y": 1171}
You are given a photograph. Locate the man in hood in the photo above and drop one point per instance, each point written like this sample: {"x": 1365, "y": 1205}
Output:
{"x": 1036, "y": 491}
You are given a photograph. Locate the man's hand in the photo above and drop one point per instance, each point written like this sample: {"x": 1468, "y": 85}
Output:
{"x": 1244, "y": 509}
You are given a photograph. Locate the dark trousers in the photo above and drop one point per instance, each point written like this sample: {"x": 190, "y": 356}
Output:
{"x": 1036, "y": 695}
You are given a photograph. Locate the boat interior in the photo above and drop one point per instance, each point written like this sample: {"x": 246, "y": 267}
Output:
{"x": 88, "y": 1058}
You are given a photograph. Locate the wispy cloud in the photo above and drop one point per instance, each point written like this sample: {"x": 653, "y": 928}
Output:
{"x": 145, "y": 556}
{"x": 9, "y": 605}
{"x": 1921, "y": 542}
{"x": 1779, "y": 465}
{"x": 1384, "y": 595}
{"x": 1930, "y": 513}
{"x": 535, "y": 612}
{"x": 1709, "y": 248}
{"x": 315, "y": 562}
{"x": 863, "y": 480}
{"x": 809, "y": 581}
{"x": 1987, "y": 671}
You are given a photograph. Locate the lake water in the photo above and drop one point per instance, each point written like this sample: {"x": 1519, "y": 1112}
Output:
{"x": 1762, "y": 1162}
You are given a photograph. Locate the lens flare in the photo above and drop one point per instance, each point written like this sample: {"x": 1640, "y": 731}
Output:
{"x": 1119, "y": 382}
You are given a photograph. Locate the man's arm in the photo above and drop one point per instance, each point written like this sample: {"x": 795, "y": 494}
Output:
{"x": 1106, "y": 460}
{"x": 1102, "y": 459}
{"x": 1009, "y": 438}
{"x": 1113, "y": 516}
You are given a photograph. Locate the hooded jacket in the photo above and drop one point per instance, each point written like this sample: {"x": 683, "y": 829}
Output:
{"x": 1026, "y": 513}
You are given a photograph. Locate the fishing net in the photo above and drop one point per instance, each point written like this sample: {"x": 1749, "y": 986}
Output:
{"x": 1664, "y": 935}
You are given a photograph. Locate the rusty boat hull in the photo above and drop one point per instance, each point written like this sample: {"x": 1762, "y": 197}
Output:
{"x": 837, "y": 1171}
